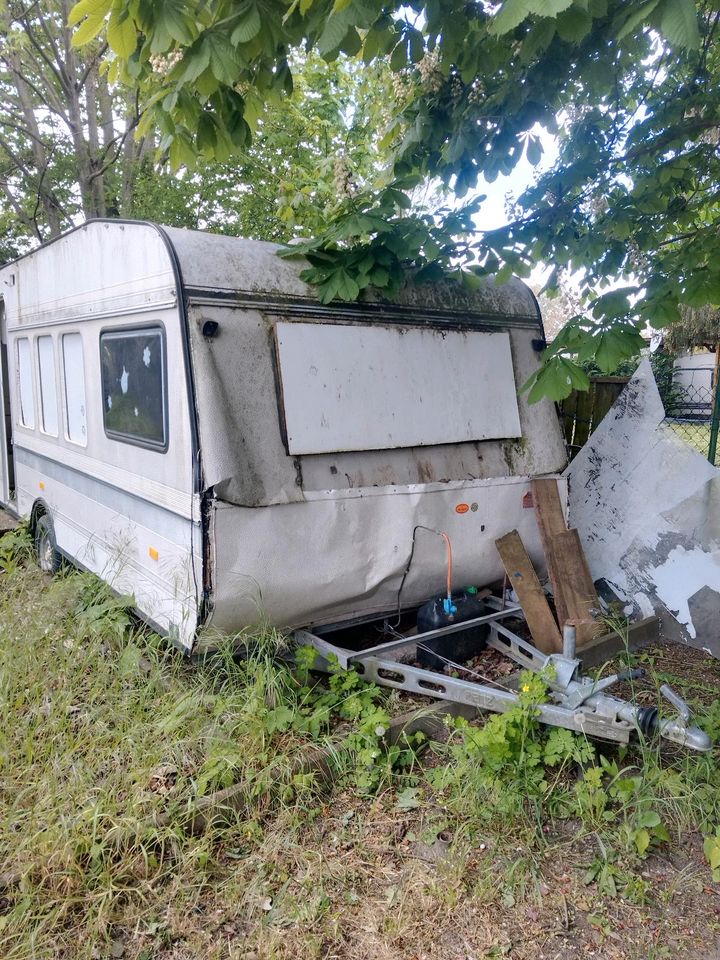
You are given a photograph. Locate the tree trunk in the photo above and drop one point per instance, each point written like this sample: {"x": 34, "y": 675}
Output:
{"x": 45, "y": 196}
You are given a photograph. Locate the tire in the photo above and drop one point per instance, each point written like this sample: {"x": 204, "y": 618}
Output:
{"x": 46, "y": 551}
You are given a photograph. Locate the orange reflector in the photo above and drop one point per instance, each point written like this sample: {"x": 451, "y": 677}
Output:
{"x": 154, "y": 555}
{"x": 42, "y": 485}
{"x": 462, "y": 508}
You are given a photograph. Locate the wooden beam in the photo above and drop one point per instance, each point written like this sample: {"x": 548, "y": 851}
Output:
{"x": 551, "y": 522}
{"x": 575, "y": 585}
{"x": 610, "y": 645}
{"x": 526, "y": 585}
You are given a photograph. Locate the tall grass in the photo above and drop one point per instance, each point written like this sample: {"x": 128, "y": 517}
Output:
{"x": 108, "y": 739}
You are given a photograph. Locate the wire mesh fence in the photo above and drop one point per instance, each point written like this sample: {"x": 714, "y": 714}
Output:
{"x": 689, "y": 400}
{"x": 689, "y": 394}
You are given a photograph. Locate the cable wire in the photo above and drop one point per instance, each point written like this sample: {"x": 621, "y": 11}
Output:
{"x": 438, "y": 533}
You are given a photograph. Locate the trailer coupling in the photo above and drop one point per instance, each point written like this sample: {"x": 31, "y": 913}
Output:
{"x": 577, "y": 702}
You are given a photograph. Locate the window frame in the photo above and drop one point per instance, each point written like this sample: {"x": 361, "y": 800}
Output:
{"x": 155, "y": 326}
{"x": 27, "y": 338}
{"x": 76, "y": 332}
{"x": 41, "y": 393}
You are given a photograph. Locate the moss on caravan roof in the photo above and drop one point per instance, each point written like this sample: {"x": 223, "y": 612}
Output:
{"x": 216, "y": 262}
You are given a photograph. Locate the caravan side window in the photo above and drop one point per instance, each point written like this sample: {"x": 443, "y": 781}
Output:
{"x": 133, "y": 385}
{"x": 48, "y": 385}
{"x": 25, "y": 383}
{"x": 74, "y": 377}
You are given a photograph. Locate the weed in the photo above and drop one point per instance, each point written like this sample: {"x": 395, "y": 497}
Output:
{"x": 711, "y": 848}
{"x": 15, "y": 549}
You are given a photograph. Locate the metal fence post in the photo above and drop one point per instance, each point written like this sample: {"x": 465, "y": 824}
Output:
{"x": 715, "y": 422}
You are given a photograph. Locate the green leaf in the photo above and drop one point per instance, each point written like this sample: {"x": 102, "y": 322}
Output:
{"x": 556, "y": 379}
{"x": 417, "y": 46}
{"x": 88, "y": 8}
{"x": 88, "y": 30}
{"x": 121, "y": 34}
{"x": 550, "y": 8}
{"x": 574, "y": 24}
{"x": 408, "y": 799}
{"x": 225, "y": 63}
{"x": 247, "y": 27}
{"x": 613, "y": 346}
{"x": 642, "y": 841}
{"x": 679, "y": 23}
{"x": 347, "y": 288}
{"x": 173, "y": 22}
{"x": 398, "y": 58}
{"x": 206, "y": 137}
{"x": 534, "y": 150}
{"x": 649, "y": 819}
{"x": 512, "y": 13}
{"x": 195, "y": 61}
{"x": 711, "y": 847}
{"x": 538, "y": 40}
{"x": 634, "y": 17}
{"x": 336, "y": 26}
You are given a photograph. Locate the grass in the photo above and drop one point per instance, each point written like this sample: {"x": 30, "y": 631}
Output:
{"x": 696, "y": 434}
{"x": 110, "y": 739}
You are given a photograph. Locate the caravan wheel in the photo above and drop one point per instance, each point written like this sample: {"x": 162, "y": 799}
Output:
{"x": 48, "y": 556}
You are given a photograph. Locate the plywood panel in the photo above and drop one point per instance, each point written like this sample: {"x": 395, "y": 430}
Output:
{"x": 526, "y": 585}
{"x": 372, "y": 387}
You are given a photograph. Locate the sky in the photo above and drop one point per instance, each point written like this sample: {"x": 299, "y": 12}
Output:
{"x": 492, "y": 212}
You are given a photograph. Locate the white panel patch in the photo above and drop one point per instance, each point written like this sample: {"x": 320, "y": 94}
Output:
{"x": 362, "y": 387}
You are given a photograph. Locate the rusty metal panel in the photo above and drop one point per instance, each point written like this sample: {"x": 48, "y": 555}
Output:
{"x": 362, "y": 387}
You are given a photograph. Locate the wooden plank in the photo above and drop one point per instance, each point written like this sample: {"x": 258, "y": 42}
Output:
{"x": 606, "y": 393}
{"x": 551, "y": 521}
{"x": 526, "y": 585}
{"x": 568, "y": 412}
{"x": 583, "y": 416}
{"x": 608, "y": 646}
{"x": 575, "y": 584}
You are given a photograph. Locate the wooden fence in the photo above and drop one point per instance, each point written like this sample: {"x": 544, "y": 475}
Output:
{"x": 583, "y": 410}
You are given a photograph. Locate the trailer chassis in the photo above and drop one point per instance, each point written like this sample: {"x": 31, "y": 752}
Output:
{"x": 577, "y": 702}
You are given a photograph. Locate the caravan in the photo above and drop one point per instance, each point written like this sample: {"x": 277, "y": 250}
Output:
{"x": 184, "y": 418}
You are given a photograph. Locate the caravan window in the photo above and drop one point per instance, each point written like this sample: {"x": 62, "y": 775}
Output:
{"x": 74, "y": 375}
{"x": 48, "y": 385}
{"x": 25, "y": 383}
{"x": 133, "y": 384}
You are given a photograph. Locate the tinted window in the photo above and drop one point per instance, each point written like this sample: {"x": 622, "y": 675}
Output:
{"x": 48, "y": 385}
{"x": 133, "y": 383}
{"x": 74, "y": 371}
{"x": 25, "y": 384}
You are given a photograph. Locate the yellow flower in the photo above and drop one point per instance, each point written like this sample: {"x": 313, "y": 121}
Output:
{"x": 526, "y": 688}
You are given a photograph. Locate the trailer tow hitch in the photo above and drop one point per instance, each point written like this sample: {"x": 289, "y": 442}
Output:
{"x": 577, "y": 702}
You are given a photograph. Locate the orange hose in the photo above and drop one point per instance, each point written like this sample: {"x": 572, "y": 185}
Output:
{"x": 446, "y": 538}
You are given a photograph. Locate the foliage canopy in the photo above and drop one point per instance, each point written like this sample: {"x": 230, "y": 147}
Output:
{"x": 630, "y": 89}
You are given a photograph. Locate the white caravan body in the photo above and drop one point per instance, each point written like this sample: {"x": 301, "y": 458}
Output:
{"x": 205, "y": 435}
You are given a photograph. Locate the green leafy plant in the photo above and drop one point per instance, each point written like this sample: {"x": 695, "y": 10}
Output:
{"x": 711, "y": 848}
{"x": 15, "y": 548}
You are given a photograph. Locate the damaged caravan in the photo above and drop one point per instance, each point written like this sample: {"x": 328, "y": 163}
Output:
{"x": 184, "y": 418}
